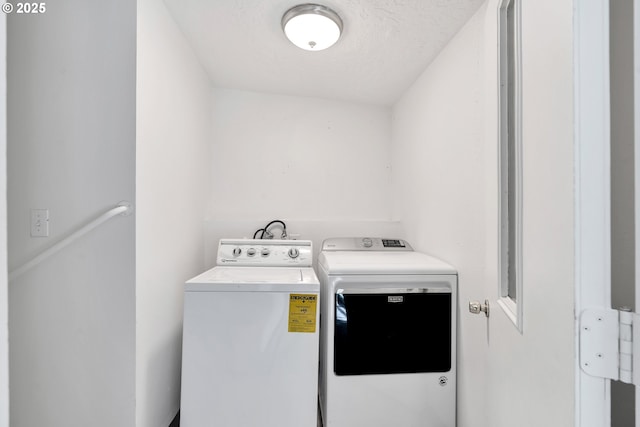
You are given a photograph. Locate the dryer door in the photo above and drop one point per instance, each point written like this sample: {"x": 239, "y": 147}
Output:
{"x": 392, "y": 330}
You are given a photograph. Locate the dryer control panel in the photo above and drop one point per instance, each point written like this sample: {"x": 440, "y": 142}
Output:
{"x": 265, "y": 253}
{"x": 365, "y": 244}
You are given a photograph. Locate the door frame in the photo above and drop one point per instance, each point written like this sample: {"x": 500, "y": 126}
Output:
{"x": 636, "y": 149}
{"x": 4, "y": 280}
{"x": 592, "y": 192}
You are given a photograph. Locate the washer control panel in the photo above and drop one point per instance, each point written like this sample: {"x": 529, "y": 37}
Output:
{"x": 266, "y": 253}
{"x": 365, "y": 244}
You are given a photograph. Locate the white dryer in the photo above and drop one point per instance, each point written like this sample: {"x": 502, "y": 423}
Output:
{"x": 388, "y": 335}
{"x": 250, "y": 343}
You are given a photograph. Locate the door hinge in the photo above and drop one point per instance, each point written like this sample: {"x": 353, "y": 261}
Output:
{"x": 608, "y": 344}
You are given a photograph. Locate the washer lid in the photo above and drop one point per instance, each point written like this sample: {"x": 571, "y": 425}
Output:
{"x": 358, "y": 262}
{"x": 255, "y": 279}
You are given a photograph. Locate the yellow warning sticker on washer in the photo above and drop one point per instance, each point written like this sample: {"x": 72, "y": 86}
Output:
{"x": 302, "y": 312}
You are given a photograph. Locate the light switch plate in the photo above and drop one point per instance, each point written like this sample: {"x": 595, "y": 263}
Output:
{"x": 39, "y": 222}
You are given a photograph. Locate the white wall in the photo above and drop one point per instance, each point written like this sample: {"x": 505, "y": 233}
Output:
{"x": 322, "y": 166}
{"x": 445, "y": 180}
{"x": 172, "y": 165}
{"x": 71, "y": 142}
{"x": 442, "y": 188}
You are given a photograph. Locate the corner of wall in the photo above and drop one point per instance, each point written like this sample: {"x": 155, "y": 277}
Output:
{"x": 172, "y": 155}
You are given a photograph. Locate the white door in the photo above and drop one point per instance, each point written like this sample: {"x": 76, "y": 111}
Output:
{"x": 528, "y": 336}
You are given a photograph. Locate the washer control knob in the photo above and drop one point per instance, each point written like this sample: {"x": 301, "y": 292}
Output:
{"x": 251, "y": 252}
{"x": 236, "y": 252}
{"x": 367, "y": 243}
{"x": 265, "y": 252}
{"x": 293, "y": 253}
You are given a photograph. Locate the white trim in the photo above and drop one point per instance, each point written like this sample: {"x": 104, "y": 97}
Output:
{"x": 513, "y": 309}
{"x": 519, "y": 166}
{"x": 510, "y": 309}
{"x": 592, "y": 192}
{"x": 636, "y": 138}
{"x": 503, "y": 173}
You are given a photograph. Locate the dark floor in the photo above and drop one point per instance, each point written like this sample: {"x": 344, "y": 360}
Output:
{"x": 176, "y": 421}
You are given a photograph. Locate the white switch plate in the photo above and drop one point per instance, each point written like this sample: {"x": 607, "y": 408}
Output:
{"x": 39, "y": 222}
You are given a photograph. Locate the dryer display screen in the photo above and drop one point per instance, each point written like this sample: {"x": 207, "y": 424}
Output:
{"x": 390, "y": 333}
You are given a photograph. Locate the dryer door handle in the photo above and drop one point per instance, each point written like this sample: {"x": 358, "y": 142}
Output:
{"x": 393, "y": 291}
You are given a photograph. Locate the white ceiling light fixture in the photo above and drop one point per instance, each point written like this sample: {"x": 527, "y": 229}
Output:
{"x": 312, "y": 26}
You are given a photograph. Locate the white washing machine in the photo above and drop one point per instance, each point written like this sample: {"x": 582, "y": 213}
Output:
{"x": 388, "y": 335}
{"x": 250, "y": 344}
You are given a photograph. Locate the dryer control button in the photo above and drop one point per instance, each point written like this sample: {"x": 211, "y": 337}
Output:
{"x": 265, "y": 252}
{"x": 237, "y": 251}
{"x": 293, "y": 253}
{"x": 251, "y": 251}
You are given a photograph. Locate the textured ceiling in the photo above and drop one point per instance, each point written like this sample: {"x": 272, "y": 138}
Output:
{"x": 384, "y": 47}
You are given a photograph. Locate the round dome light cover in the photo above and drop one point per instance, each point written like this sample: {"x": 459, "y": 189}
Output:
{"x": 312, "y": 26}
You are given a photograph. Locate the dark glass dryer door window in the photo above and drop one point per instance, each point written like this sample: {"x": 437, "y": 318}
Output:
{"x": 390, "y": 331}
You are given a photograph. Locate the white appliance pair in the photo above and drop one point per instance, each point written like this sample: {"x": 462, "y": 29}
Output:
{"x": 387, "y": 342}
